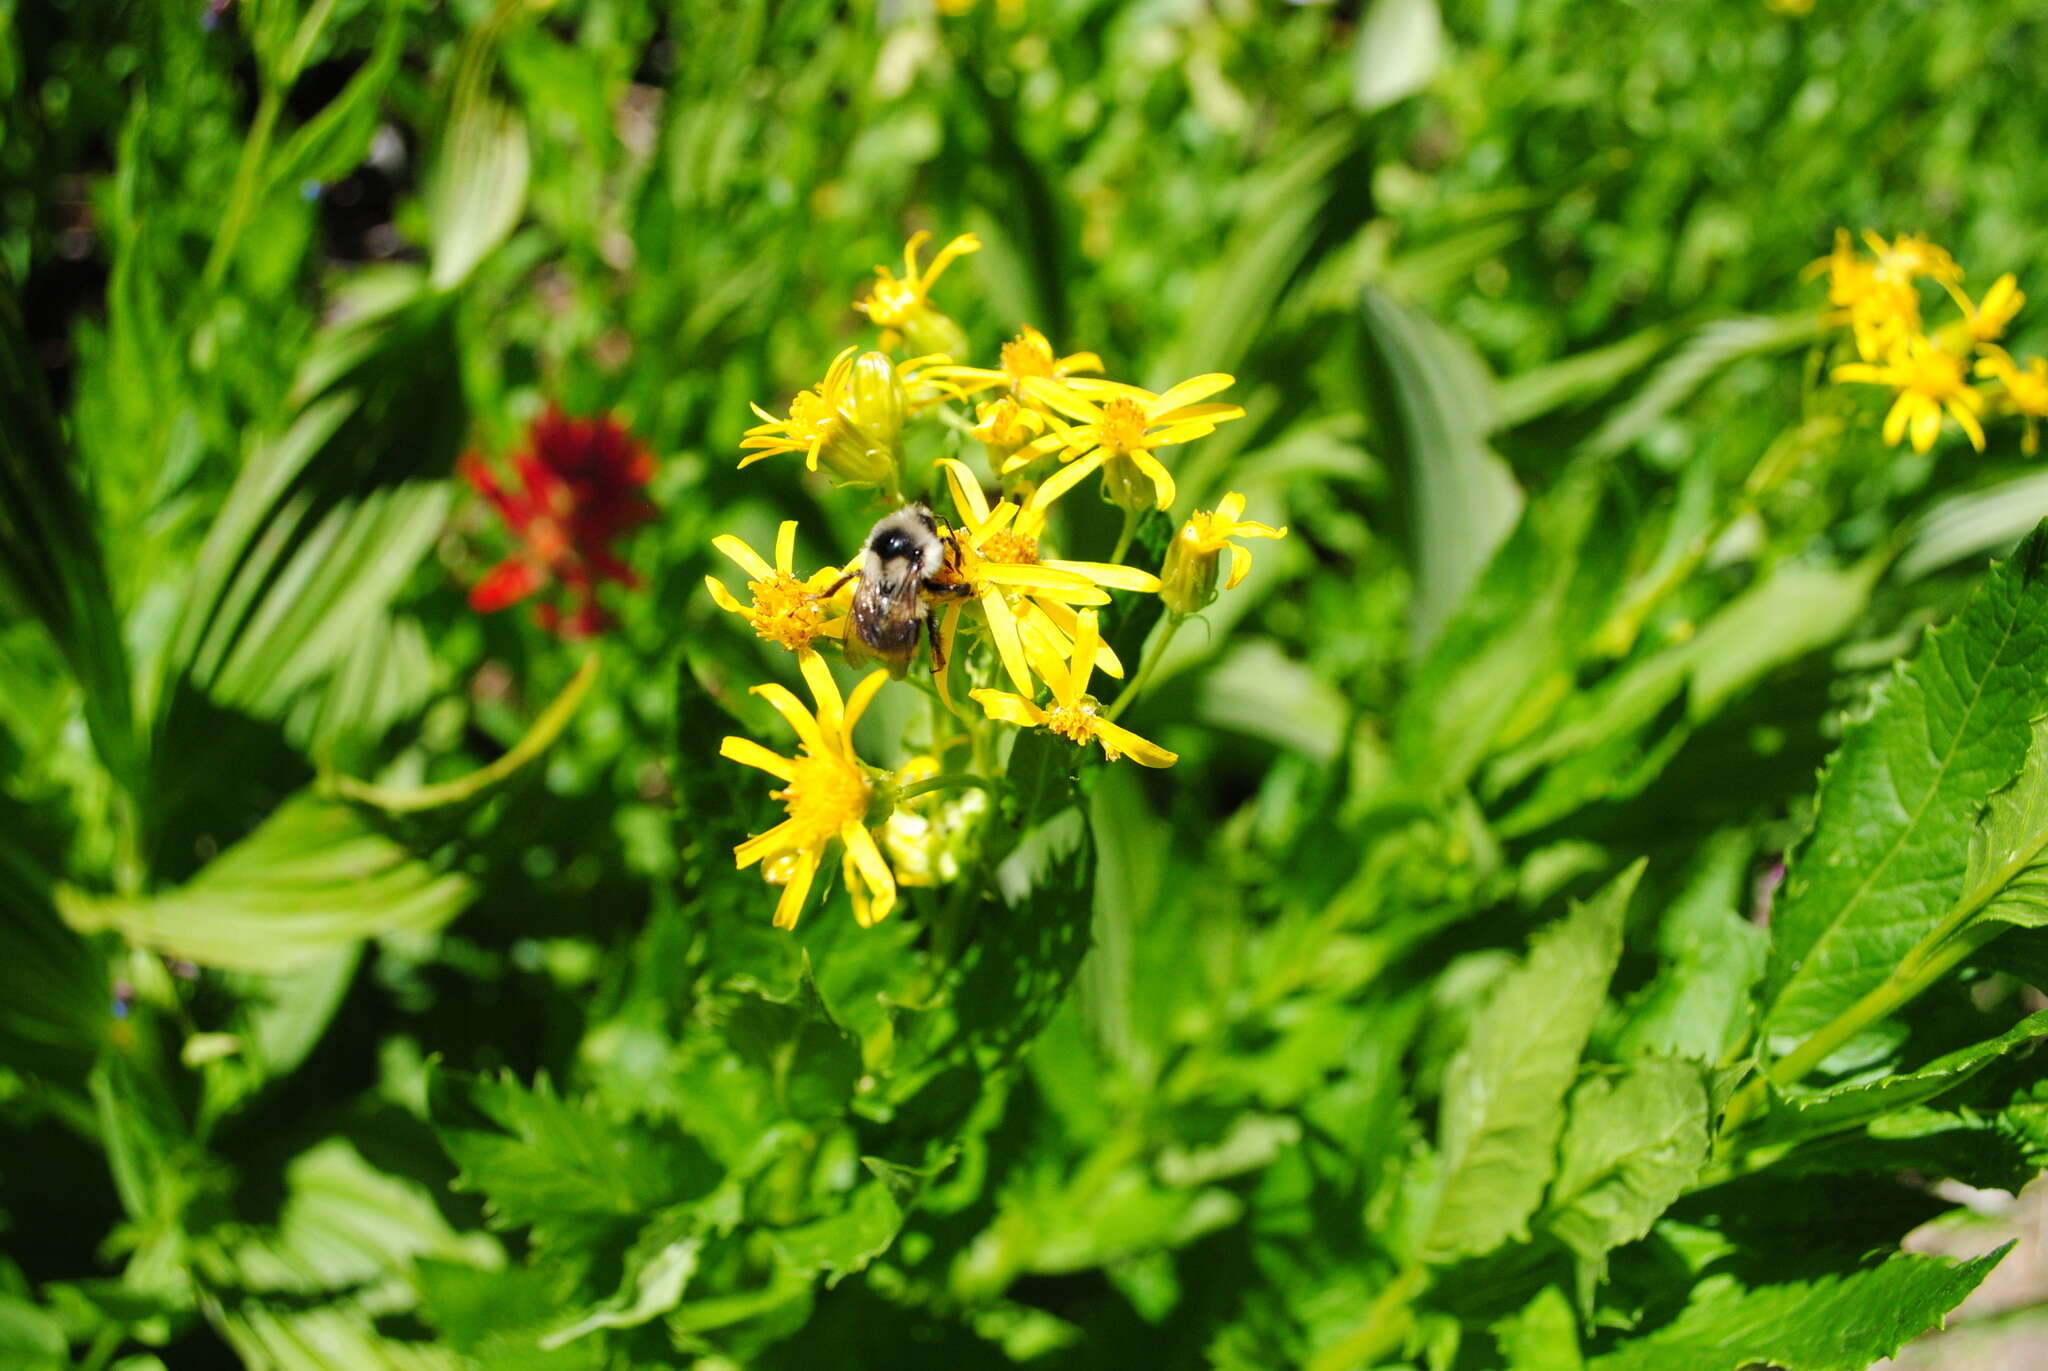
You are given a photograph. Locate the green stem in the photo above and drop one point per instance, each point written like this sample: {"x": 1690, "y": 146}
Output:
{"x": 1154, "y": 653}
{"x": 255, "y": 151}
{"x": 1931, "y": 958}
{"x": 1130, "y": 530}
{"x": 932, "y": 783}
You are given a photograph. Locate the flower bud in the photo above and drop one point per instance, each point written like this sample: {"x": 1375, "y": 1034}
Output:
{"x": 926, "y": 331}
{"x": 1187, "y": 581}
{"x": 877, "y": 402}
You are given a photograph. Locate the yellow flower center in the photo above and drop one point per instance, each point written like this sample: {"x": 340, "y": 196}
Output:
{"x": 1209, "y": 532}
{"x": 891, "y": 301}
{"x": 811, "y": 416}
{"x": 1930, "y": 372}
{"x": 1025, "y": 357}
{"x": 1008, "y": 545}
{"x": 785, "y": 612}
{"x": 1074, "y": 722}
{"x": 825, "y": 795}
{"x": 1123, "y": 426}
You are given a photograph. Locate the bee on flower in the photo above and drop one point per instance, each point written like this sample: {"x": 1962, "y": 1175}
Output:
{"x": 579, "y": 488}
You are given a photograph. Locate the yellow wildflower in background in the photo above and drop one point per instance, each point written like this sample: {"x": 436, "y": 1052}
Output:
{"x": 901, "y": 306}
{"x": 786, "y": 609}
{"x": 829, "y": 794}
{"x": 1928, "y": 379}
{"x": 1027, "y": 357}
{"x": 1912, "y": 255}
{"x": 2026, "y": 391}
{"x": 1881, "y": 309}
{"x": 1986, "y": 320}
{"x": 1119, "y": 434}
{"x": 1075, "y": 714}
{"x": 1188, "y": 579}
{"x": 1005, "y": 427}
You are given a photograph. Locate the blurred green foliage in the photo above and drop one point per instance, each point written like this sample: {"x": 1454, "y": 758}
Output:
{"x": 375, "y": 990}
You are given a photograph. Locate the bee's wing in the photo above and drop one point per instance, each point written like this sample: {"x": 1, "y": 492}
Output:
{"x": 884, "y": 625}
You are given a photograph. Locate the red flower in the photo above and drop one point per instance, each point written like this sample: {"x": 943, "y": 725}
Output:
{"x": 580, "y": 488}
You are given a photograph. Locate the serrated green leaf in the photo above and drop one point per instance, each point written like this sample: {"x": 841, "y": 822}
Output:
{"x": 2007, "y": 878}
{"x": 1504, "y": 1095}
{"x": 1837, "y": 1323}
{"x": 1633, "y": 1143}
{"x": 312, "y": 879}
{"x": 1890, "y": 846}
{"x": 559, "y": 1166}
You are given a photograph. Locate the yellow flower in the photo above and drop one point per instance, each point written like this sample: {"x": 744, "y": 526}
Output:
{"x": 1928, "y": 380}
{"x": 1074, "y": 715}
{"x": 1985, "y": 320}
{"x": 1912, "y": 255}
{"x": 1120, "y": 434}
{"x": 1188, "y": 580}
{"x": 1882, "y": 309}
{"x": 902, "y": 305}
{"x": 2026, "y": 392}
{"x": 1004, "y": 427}
{"x": 1026, "y": 358}
{"x": 786, "y": 608}
{"x": 1021, "y": 591}
{"x": 829, "y": 795}
{"x": 850, "y": 421}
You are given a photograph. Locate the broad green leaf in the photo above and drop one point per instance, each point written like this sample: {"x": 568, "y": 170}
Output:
{"x": 497, "y": 1317}
{"x": 1678, "y": 376}
{"x": 1434, "y": 405}
{"x": 1507, "y": 659}
{"x": 1699, "y": 1005}
{"x": 847, "y": 1241}
{"x": 1836, "y": 1323}
{"x": 547, "y": 726}
{"x": 1975, "y": 523}
{"x": 559, "y": 1166}
{"x": 1891, "y": 842}
{"x": 30, "y": 1339}
{"x": 1543, "y": 1336}
{"x": 1504, "y": 1096}
{"x": 1633, "y": 1143}
{"x": 312, "y": 879}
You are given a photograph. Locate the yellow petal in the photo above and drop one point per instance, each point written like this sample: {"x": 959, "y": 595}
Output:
{"x": 748, "y": 559}
{"x": 1151, "y": 466}
{"x": 791, "y": 905}
{"x": 1002, "y": 630}
{"x": 860, "y": 845}
{"x": 780, "y": 838}
{"x": 863, "y": 694}
{"x": 1108, "y": 574}
{"x": 747, "y": 752}
{"x": 825, "y": 690}
{"x": 785, "y": 547}
{"x": 1006, "y": 708}
{"x": 1067, "y": 477}
{"x": 967, "y": 496}
{"x": 1129, "y": 744}
{"x": 1189, "y": 391}
{"x": 792, "y": 709}
{"x": 722, "y": 597}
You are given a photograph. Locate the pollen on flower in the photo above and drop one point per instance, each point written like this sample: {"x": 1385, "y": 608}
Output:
{"x": 785, "y": 612}
{"x": 1123, "y": 426}
{"x": 1008, "y": 545}
{"x": 1028, "y": 355}
{"x": 1076, "y": 723}
{"x": 824, "y": 795}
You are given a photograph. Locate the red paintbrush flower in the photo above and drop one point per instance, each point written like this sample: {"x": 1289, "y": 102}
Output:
{"x": 580, "y": 487}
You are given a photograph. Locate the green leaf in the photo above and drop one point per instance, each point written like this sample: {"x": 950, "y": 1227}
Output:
{"x": 1836, "y": 1323}
{"x": 559, "y": 1166}
{"x": 1543, "y": 1336}
{"x": 2007, "y": 878}
{"x": 333, "y": 142}
{"x": 314, "y": 878}
{"x": 1633, "y": 1144}
{"x": 1396, "y": 53}
{"x": 1699, "y": 1004}
{"x": 1891, "y": 841}
{"x": 497, "y": 1318}
{"x": 29, "y": 1338}
{"x": 847, "y": 1241}
{"x": 1435, "y": 408}
{"x": 1716, "y": 344}
{"x": 478, "y": 188}
{"x": 654, "y": 1285}
{"x": 1504, "y": 1095}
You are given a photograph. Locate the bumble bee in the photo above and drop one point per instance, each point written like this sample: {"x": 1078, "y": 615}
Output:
{"x": 904, "y": 560}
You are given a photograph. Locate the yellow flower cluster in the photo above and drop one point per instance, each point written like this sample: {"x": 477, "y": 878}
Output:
{"x": 1877, "y": 298}
{"x": 991, "y": 589}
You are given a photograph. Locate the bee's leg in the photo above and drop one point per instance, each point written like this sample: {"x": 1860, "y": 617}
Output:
{"x": 829, "y": 591}
{"x": 947, "y": 590}
{"x": 931, "y": 634}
